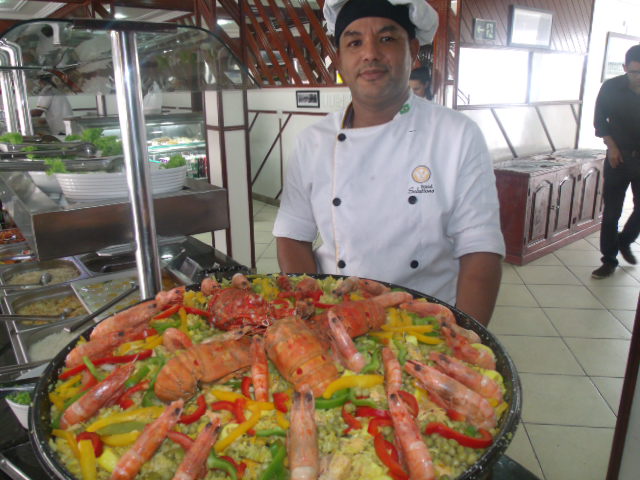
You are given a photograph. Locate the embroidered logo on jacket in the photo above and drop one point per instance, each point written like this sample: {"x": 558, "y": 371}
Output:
{"x": 421, "y": 174}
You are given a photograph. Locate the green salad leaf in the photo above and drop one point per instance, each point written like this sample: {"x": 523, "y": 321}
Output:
{"x": 92, "y": 134}
{"x": 23, "y": 398}
{"x": 108, "y": 145}
{"x": 11, "y": 137}
{"x": 55, "y": 165}
{"x": 175, "y": 161}
{"x": 72, "y": 138}
{"x": 29, "y": 149}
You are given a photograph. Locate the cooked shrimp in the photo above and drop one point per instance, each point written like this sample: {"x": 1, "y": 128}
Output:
{"x": 443, "y": 315}
{"x": 147, "y": 443}
{"x": 463, "y": 350}
{"x": 305, "y": 308}
{"x": 170, "y": 297}
{"x": 367, "y": 286}
{"x": 132, "y": 317}
{"x": 240, "y": 281}
{"x": 414, "y": 451}
{"x": 174, "y": 340}
{"x": 351, "y": 357}
{"x": 469, "y": 377}
{"x": 302, "y": 439}
{"x": 209, "y": 285}
{"x": 307, "y": 286}
{"x": 259, "y": 370}
{"x": 194, "y": 462}
{"x": 391, "y": 299}
{"x": 202, "y": 362}
{"x": 100, "y": 346}
{"x": 453, "y": 394}
{"x": 392, "y": 371}
{"x": 100, "y": 395}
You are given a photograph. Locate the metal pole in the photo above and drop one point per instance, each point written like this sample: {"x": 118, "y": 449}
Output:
{"x": 8, "y": 95}
{"x": 134, "y": 143}
{"x": 20, "y": 86}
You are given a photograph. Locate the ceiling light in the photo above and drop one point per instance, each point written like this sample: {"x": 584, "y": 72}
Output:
{"x": 223, "y": 21}
{"x": 119, "y": 16}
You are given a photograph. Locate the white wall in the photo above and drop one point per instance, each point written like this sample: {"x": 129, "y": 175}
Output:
{"x": 618, "y": 16}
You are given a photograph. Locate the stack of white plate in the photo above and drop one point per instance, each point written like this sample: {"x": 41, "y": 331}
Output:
{"x": 104, "y": 186}
{"x": 46, "y": 183}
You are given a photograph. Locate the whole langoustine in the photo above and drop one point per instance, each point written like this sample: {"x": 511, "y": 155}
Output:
{"x": 204, "y": 362}
{"x": 299, "y": 356}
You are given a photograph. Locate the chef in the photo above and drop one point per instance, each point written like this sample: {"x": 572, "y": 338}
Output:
{"x": 393, "y": 188}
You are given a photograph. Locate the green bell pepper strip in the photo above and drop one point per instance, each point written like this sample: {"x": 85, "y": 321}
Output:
{"x": 402, "y": 351}
{"x": 137, "y": 377}
{"x": 149, "y": 398}
{"x": 374, "y": 363}
{"x": 215, "y": 462}
{"x": 92, "y": 368}
{"x": 122, "y": 427}
{"x": 55, "y": 423}
{"x": 360, "y": 402}
{"x": 337, "y": 400}
{"x": 273, "y": 470}
{"x": 162, "y": 326}
{"x": 272, "y": 431}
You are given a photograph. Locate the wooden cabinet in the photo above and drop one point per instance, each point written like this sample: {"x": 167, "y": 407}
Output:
{"x": 547, "y": 202}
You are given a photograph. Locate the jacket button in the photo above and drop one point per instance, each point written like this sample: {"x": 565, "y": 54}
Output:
{"x": 414, "y": 264}
{"x": 413, "y": 199}
{"x": 337, "y": 201}
{"x": 342, "y": 137}
{"x": 341, "y": 264}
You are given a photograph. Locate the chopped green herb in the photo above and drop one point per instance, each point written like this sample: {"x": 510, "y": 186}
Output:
{"x": 175, "y": 161}
{"x": 23, "y": 398}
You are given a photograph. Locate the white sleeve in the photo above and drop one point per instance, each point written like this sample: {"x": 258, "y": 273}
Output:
{"x": 475, "y": 223}
{"x": 295, "y": 217}
{"x": 44, "y": 102}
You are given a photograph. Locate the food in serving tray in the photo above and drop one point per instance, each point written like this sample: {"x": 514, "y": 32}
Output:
{"x": 272, "y": 377}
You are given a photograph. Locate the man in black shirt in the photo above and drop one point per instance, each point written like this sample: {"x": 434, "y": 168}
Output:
{"x": 617, "y": 121}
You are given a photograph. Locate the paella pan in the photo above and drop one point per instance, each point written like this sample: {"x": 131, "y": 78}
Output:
{"x": 275, "y": 377}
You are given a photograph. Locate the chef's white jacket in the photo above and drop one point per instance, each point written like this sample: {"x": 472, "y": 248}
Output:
{"x": 398, "y": 202}
{"x": 56, "y": 108}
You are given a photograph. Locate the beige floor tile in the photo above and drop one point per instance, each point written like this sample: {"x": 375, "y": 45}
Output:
{"x": 549, "y": 259}
{"x": 594, "y": 240}
{"x": 632, "y": 270}
{"x": 262, "y": 237}
{"x": 571, "y": 453}
{"x": 521, "y": 451}
{"x": 610, "y": 388}
{"x": 509, "y": 274}
{"x": 600, "y": 357}
{"x": 267, "y": 214}
{"x": 564, "y": 400}
{"x": 569, "y": 296}
{"x": 263, "y": 226}
{"x": 267, "y": 265}
{"x": 582, "y": 244}
{"x": 540, "y": 355}
{"x": 620, "y": 277}
{"x": 515, "y": 295}
{"x": 260, "y": 249}
{"x": 586, "y": 323}
{"x": 544, "y": 274}
{"x": 203, "y": 237}
{"x": 521, "y": 321}
{"x": 627, "y": 317}
{"x": 270, "y": 251}
{"x": 579, "y": 258}
{"x": 619, "y": 297}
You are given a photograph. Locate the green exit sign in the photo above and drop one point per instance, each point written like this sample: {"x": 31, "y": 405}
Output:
{"x": 484, "y": 29}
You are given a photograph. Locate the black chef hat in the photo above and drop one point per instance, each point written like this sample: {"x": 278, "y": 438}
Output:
{"x": 355, "y": 9}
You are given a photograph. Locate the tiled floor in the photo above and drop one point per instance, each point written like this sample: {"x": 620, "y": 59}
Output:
{"x": 568, "y": 335}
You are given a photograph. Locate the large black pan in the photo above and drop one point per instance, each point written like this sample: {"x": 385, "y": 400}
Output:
{"x": 40, "y": 419}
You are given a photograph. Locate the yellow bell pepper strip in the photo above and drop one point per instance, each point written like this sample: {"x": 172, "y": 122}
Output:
{"x": 408, "y": 328}
{"x": 125, "y": 417}
{"x": 427, "y": 340}
{"x": 121, "y": 439}
{"x": 71, "y": 440}
{"x": 108, "y": 460}
{"x": 239, "y": 430}
{"x": 56, "y": 400}
{"x": 182, "y": 313}
{"x": 88, "y": 464}
{"x": 233, "y": 396}
{"x": 349, "y": 381}
{"x": 382, "y": 335}
{"x": 281, "y": 420}
{"x": 69, "y": 383}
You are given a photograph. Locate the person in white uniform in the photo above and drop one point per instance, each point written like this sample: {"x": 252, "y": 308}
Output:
{"x": 54, "y": 108}
{"x": 399, "y": 189}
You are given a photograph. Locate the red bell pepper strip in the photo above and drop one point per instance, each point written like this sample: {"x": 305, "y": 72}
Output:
{"x": 323, "y": 305}
{"x": 376, "y": 423}
{"x": 411, "y": 402}
{"x": 239, "y": 407}
{"x": 197, "y": 413}
{"x": 284, "y": 283}
{"x": 104, "y": 360}
{"x": 240, "y": 467}
{"x": 96, "y": 442}
{"x": 372, "y": 412}
{"x": 224, "y": 405}
{"x": 125, "y": 399}
{"x": 388, "y": 455}
{"x": 185, "y": 441}
{"x": 465, "y": 440}
{"x": 245, "y": 387}
{"x": 280, "y": 400}
{"x": 168, "y": 312}
{"x": 147, "y": 332}
{"x": 457, "y": 416}
{"x": 352, "y": 422}
{"x": 197, "y": 311}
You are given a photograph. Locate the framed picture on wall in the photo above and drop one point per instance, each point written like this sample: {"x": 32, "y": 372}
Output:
{"x": 617, "y": 46}
{"x": 529, "y": 27}
{"x": 308, "y": 99}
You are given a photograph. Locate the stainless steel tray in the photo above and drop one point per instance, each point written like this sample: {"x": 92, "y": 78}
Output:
{"x": 8, "y": 271}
